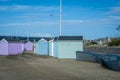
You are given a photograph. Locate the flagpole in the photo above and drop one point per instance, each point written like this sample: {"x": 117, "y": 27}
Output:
{"x": 28, "y": 28}
{"x": 60, "y": 17}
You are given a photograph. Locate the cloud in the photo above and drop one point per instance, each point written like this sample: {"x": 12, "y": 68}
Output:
{"x": 114, "y": 10}
{"x": 13, "y": 24}
{"x": 26, "y": 24}
{"x": 43, "y": 23}
{"x": 114, "y": 17}
{"x": 5, "y": 0}
{"x": 102, "y": 22}
{"x": 72, "y": 21}
{"x": 41, "y": 35}
{"x": 15, "y": 7}
{"x": 3, "y": 8}
{"x": 28, "y": 8}
{"x": 20, "y": 7}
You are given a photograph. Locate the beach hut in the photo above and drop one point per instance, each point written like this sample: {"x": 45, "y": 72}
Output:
{"x": 35, "y": 48}
{"x": 51, "y": 47}
{"x": 3, "y": 47}
{"x": 66, "y": 46}
{"x": 28, "y": 46}
{"x": 15, "y": 48}
{"x": 41, "y": 47}
{"x": 55, "y": 49}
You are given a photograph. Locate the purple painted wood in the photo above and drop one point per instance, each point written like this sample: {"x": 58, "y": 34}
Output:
{"x": 15, "y": 48}
{"x": 3, "y": 47}
{"x": 28, "y": 46}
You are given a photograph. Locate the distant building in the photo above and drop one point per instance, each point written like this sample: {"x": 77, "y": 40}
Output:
{"x": 102, "y": 41}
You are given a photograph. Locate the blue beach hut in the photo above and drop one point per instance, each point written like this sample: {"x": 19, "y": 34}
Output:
{"x": 66, "y": 46}
{"x": 55, "y": 47}
{"x": 51, "y": 47}
{"x": 41, "y": 47}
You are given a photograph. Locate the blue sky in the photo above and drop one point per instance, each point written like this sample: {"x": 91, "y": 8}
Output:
{"x": 90, "y": 18}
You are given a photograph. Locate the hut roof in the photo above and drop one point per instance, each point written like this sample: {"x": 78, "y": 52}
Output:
{"x": 70, "y": 38}
{"x": 48, "y": 39}
{"x": 23, "y": 39}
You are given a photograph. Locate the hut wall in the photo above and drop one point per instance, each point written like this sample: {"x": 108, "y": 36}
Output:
{"x": 15, "y": 48}
{"x": 3, "y": 47}
{"x": 67, "y": 49}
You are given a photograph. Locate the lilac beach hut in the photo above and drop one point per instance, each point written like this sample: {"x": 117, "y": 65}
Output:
{"x": 3, "y": 47}
{"x": 15, "y": 48}
{"x": 28, "y": 46}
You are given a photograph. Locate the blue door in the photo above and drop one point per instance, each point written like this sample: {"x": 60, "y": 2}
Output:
{"x": 42, "y": 47}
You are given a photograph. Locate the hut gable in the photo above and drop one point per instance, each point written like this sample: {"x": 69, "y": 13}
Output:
{"x": 42, "y": 40}
{"x": 3, "y": 47}
{"x": 4, "y": 41}
{"x": 51, "y": 40}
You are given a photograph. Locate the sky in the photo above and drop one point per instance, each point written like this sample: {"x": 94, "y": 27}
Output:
{"x": 91, "y": 19}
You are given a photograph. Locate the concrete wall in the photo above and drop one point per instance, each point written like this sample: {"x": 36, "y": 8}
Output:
{"x": 103, "y": 49}
{"x": 88, "y": 56}
{"x": 67, "y": 49}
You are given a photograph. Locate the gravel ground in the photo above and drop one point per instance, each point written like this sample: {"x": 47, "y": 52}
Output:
{"x": 32, "y": 67}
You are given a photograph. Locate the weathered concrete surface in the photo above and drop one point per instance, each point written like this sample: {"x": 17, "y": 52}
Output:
{"x": 31, "y": 67}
